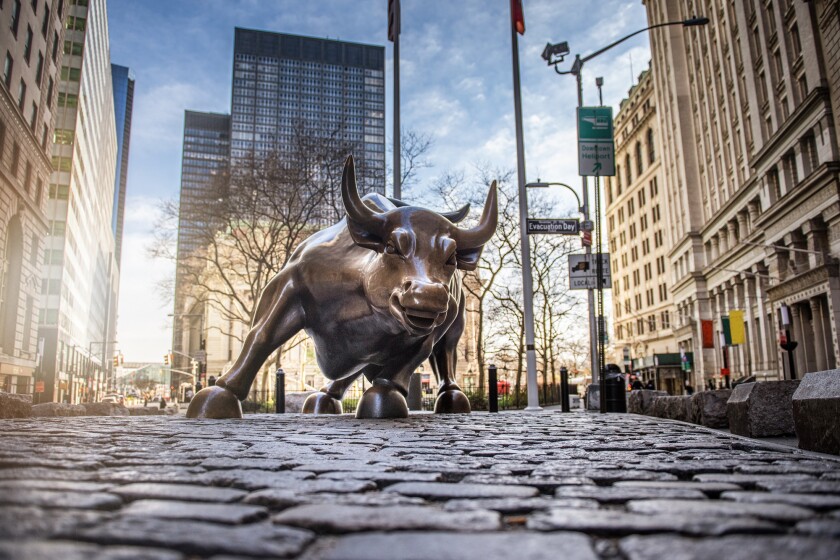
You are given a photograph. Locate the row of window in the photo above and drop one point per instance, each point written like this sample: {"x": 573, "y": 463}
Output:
{"x": 642, "y": 324}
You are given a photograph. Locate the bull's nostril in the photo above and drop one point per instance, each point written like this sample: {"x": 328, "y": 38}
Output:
{"x": 406, "y": 286}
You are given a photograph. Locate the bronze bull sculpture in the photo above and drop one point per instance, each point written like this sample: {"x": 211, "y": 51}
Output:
{"x": 378, "y": 293}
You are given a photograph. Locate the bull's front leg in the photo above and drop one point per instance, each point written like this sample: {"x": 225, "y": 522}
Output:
{"x": 443, "y": 360}
{"x": 277, "y": 319}
{"x": 389, "y": 386}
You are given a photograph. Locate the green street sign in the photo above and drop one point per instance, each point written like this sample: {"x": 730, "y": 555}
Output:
{"x": 596, "y": 147}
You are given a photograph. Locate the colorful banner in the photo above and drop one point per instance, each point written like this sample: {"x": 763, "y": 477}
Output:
{"x": 708, "y": 329}
{"x": 736, "y": 327}
{"x": 725, "y": 330}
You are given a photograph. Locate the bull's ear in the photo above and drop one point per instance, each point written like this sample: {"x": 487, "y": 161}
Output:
{"x": 364, "y": 238}
{"x": 467, "y": 259}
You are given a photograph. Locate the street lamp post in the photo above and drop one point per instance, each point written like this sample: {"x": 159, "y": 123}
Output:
{"x": 200, "y": 335}
{"x": 533, "y": 395}
{"x": 554, "y": 55}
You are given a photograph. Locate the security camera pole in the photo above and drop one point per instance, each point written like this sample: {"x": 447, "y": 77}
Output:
{"x": 554, "y": 55}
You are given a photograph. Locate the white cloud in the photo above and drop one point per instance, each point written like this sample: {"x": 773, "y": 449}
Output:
{"x": 143, "y": 328}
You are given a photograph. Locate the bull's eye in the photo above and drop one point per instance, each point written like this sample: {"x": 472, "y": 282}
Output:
{"x": 452, "y": 260}
{"x": 391, "y": 249}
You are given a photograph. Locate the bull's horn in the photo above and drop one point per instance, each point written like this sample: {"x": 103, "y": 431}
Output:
{"x": 453, "y": 217}
{"x": 458, "y": 214}
{"x": 357, "y": 211}
{"x": 481, "y": 234}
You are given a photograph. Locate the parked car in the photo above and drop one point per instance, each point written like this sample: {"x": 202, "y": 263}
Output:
{"x": 113, "y": 398}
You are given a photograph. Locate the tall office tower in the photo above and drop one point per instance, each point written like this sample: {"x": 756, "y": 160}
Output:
{"x": 79, "y": 258}
{"x": 205, "y": 156}
{"x": 638, "y": 246}
{"x": 750, "y": 159}
{"x": 289, "y": 93}
{"x": 122, "y": 79}
{"x": 31, "y": 35}
{"x": 332, "y": 91}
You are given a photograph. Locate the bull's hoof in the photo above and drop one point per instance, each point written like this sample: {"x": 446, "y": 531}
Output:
{"x": 382, "y": 400}
{"x": 321, "y": 403}
{"x": 214, "y": 402}
{"x": 452, "y": 401}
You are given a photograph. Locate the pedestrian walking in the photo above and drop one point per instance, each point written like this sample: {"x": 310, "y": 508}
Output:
{"x": 650, "y": 386}
{"x": 211, "y": 381}
{"x": 637, "y": 384}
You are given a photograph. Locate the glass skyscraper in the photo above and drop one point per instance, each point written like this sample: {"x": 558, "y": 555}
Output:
{"x": 285, "y": 87}
{"x": 330, "y": 90}
{"x": 122, "y": 79}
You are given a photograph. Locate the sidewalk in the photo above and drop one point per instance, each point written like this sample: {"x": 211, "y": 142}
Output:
{"x": 510, "y": 485}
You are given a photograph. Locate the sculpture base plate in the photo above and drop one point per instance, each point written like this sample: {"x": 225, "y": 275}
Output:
{"x": 214, "y": 402}
{"x": 382, "y": 400}
{"x": 321, "y": 403}
{"x": 452, "y": 401}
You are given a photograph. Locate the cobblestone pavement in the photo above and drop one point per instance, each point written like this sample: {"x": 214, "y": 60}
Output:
{"x": 510, "y": 485}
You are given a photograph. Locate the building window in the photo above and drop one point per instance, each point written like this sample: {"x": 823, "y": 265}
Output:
{"x": 55, "y": 45}
{"x": 639, "y": 161}
{"x": 33, "y": 116}
{"x": 7, "y": 70}
{"x": 15, "y": 18}
{"x": 46, "y": 23}
{"x": 27, "y": 176}
{"x": 651, "y": 147}
{"x": 617, "y": 181}
{"x": 22, "y": 94}
{"x": 15, "y": 167}
{"x": 628, "y": 170}
{"x": 27, "y": 45}
{"x": 39, "y": 71}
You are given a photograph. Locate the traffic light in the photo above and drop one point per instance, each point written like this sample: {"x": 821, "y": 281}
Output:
{"x": 517, "y": 15}
{"x": 166, "y": 359}
{"x": 393, "y": 19}
{"x": 117, "y": 361}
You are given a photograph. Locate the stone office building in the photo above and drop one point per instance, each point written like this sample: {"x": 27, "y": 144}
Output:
{"x": 31, "y": 37}
{"x": 748, "y": 109}
{"x": 639, "y": 244}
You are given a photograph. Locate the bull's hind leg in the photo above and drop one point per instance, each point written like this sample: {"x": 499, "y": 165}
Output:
{"x": 443, "y": 359}
{"x": 277, "y": 319}
{"x": 328, "y": 399}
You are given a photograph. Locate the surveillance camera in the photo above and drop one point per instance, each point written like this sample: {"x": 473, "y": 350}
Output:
{"x": 558, "y": 50}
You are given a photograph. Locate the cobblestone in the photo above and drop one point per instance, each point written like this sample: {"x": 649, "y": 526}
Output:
{"x": 484, "y": 487}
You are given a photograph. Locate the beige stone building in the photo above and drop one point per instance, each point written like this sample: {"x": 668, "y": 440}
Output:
{"x": 747, "y": 108}
{"x": 31, "y": 36}
{"x": 638, "y": 244}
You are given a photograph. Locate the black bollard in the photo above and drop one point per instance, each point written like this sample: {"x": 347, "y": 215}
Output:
{"x": 493, "y": 398}
{"x": 280, "y": 392}
{"x": 564, "y": 390}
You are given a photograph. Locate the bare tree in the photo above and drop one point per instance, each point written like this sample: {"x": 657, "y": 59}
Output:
{"x": 414, "y": 150}
{"x": 257, "y": 213}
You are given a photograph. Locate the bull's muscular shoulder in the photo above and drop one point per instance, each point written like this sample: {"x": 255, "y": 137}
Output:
{"x": 329, "y": 259}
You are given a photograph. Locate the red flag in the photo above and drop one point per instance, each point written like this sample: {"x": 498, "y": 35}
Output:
{"x": 517, "y": 16}
{"x": 708, "y": 333}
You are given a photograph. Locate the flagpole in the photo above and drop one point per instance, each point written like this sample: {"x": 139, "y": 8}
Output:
{"x": 527, "y": 281}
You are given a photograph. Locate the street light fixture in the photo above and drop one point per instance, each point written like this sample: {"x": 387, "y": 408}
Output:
{"x": 554, "y": 54}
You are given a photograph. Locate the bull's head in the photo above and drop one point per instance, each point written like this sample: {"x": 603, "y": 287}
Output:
{"x": 419, "y": 251}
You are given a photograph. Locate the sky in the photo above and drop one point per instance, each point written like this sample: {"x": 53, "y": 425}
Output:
{"x": 455, "y": 84}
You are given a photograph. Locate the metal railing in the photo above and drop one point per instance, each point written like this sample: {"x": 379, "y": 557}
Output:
{"x": 262, "y": 402}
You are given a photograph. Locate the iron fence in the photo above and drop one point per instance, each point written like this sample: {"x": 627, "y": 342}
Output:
{"x": 262, "y": 402}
